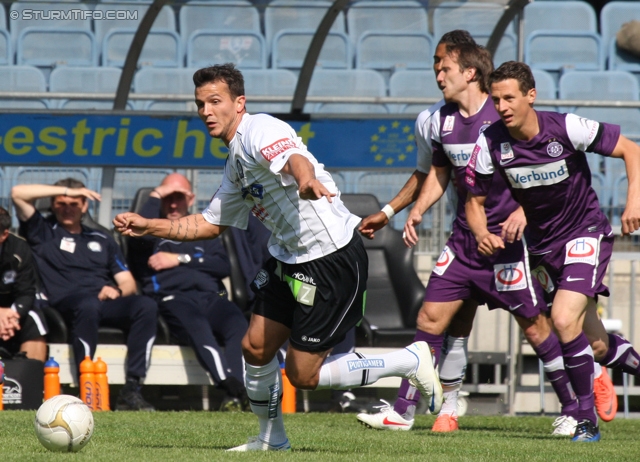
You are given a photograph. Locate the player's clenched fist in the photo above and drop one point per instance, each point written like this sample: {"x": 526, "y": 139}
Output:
{"x": 131, "y": 224}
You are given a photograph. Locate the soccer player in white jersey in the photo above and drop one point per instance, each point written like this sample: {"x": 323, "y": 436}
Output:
{"x": 467, "y": 278}
{"x": 541, "y": 157}
{"x": 313, "y": 289}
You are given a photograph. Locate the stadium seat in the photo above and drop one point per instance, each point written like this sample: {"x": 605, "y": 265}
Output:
{"x": 290, "y": 46}
{"x": 128, "y": 181}
{"x": 413, "y": 84}
{"x": 612, "y": 16}
{"x": 561, "y": 51}
{"x": 394, "y": 291}
{"x": 245, "y": 49}
{"x": 51, "y": 47}
{"x": 85, "y": 80}
{"x": 165, "y": 82}
{"x": 546, "y": 88}
{"x": 218, "y": 16}
{"x": 388, "y": 52}
{"x": 22, "y": 79}
{"x": 562, "y": 15}
{"x": 162, "y": 48}
{"x": 380, "y": 15}
{"x": 268, "y": 82}
{"x": 347, "y": 83}
{"x": 598, "y": 85}
{"x": 19, "y": 20}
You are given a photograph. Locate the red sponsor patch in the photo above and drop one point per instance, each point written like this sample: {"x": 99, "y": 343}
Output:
{"x": 280, "y": 146}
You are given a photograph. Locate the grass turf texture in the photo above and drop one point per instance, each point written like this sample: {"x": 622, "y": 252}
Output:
{"x": 203, "y": 436}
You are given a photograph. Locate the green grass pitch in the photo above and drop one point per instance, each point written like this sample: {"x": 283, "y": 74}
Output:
{"x": 204, "y": 436}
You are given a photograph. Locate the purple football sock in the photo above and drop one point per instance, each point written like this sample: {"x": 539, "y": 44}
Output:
{"x": 578, "y": 362}
{"x": 408, "y": 395}
{"x": 622, "y": 356}
{"x": 550, "y": 353}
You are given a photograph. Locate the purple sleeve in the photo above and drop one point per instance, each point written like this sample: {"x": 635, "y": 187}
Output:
{"x": 607, "y": 141}
{"x": 439, "y": 158}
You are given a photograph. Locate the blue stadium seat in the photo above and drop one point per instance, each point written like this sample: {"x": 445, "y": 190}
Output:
{"x": 23, "y": 20}
{"x": 162, "y": 48}
{"x": 546, "y": 88}
{"x": 50, "y": 47}
{"x": 559, "y": 51}
{"x": 85, "y": 80}
{"x": 399, "y": 16}
{"x": 6, "y": 52}
{"x": 22, "y": 79}
{"x": 561, "y": 15}
{"x": 290, "y": 47}
{"x": 245, "y": 49}
{"x": 280, "y": 15}
{"x": 218, "y": 16}
{"x": 599, "y": 85}
{"x": 128, "y": 181}
{"x": 165, "y": 82}
{"x": 166, "y": 19}
{"x": 346, "y": 83}
{"x": 268, "y": 82}
{"x": 387, "y": 51}
{"x": 612, "y": 16}
{"x": 413, "y": 84}
{"x": 477, "y": 18}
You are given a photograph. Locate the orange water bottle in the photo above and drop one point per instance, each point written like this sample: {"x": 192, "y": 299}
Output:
{"x": 288, "y": 395}
{"x": 88, "y": 382}
{"x": 51, "y": 379}
{"x": 102, "y": 385}
{"x": 1, "y": 385}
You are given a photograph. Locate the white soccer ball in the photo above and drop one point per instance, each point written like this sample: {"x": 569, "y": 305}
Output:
{"x": 64, "y": 424}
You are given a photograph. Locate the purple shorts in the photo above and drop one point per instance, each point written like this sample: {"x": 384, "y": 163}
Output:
{"x": 578, "y": 265}
{"x": 503, "y": 280}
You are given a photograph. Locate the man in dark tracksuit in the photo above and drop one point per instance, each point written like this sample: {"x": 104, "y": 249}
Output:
{"x": 86, "y": 280}
{"x": 185, "y": 278}
{"x": 22, "y": 326}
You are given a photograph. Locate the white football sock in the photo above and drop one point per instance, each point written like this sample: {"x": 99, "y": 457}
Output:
{"x": 453, "y": 362}
{"x": 264, "y": 388}
{"x": 450, "y": 395}
{"x": 355, "y": 369}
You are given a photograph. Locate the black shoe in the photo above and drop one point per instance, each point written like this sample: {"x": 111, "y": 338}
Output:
{"x": 132, "y": 400}
{"x": 586, "y": 432}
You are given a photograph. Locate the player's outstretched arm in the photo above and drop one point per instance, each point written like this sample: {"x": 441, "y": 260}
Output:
{"x": 488, "y": 243}
{"x": 407, "y": 195}
{"x": 630, "y": 153}
{"x": 309, "y": 187}
{"x": 189, "y": 228}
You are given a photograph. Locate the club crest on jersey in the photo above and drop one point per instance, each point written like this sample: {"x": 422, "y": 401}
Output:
{"x": 277, "y": 148}
{"x": 448, "y": 123}
{"x": 581, "y": 250}
{"x": 9, "y": 277}
{"x": 261, "y": 279}
{"x": 541, "y": 275}
{"x": 94, "y": 246}
{"x": 554, "y": 149}
{"x": 510, "y": 276}
{"x": 255, "y": 190}
{"x": 445, "y": 259}
{"x": 506, "y": 153}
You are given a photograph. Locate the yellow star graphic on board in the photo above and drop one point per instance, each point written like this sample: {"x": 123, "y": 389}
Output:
{"x": 411, "y": 137}
{"x": 406, "y": 129}
{"x": 389, "y": 161}
{"x": 395, "y": 124}
{"x": 374, "y": 148}
{"x": 378, "y": 157}
{"x": 410, "y": 148}
{"x": 375, "y": 138}
{"x": 401, "y": 157}
{"x": 382, "y": 129}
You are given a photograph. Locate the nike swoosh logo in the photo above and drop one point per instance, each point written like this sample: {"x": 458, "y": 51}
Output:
{"x": 445, "y": 134}
{"x": 608, "y": 411}
{"x": 511, "y": 308}
{"x": 504, "y": 162}
{"x": 577, "y": 365}
{"x": 386, "y": 421}
{"x": 570, "y": 279}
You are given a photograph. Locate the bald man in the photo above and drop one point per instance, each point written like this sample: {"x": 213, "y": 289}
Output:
{"x": 185, "y": 278}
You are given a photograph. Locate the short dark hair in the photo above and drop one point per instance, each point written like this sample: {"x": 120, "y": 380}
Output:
{"x": 517, "y": 71}
{"x": 456, "y": 37}
{"x": 473, "y": 56}
{"x": 5, "y": 220}
{"x": 221, "y": 72}
{"x": 69, "y": 183}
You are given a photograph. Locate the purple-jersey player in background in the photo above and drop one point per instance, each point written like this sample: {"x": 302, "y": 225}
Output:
{"x": 541, "y": 156}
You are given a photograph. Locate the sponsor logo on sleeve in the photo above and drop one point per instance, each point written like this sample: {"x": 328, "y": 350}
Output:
{"x": 510, "y": 276}
{"x": 277, "y": 148}
{"x": 538, "y": 175}
{"x": 470, "y": 176}
{"x": 581, "y": 250}
{"x": 541, "y": 275}
{"x": 445, "y": 259}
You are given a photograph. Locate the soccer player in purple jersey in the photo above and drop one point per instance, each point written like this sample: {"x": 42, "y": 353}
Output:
{"x": 541, "y": 156}
{"x": 463, "y": 278}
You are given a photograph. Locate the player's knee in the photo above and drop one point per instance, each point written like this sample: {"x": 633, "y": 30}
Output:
{"x": 254, "y": 353}
{"x": 302, "y": 381}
